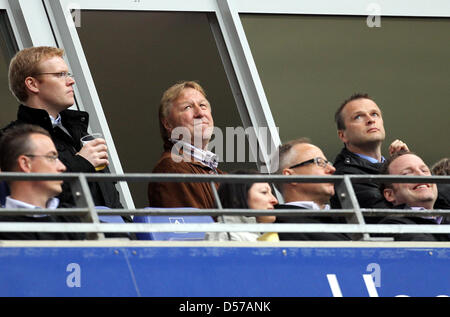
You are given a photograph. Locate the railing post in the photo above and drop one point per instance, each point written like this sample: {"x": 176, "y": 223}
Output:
{"x": 348, "y": 200}
{"x": 219, "y": 206}
{"x": 83, "y": 198}
{"x": 216, "y": 195}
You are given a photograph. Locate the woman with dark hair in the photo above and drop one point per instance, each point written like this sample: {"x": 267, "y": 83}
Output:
{"x": 244, "y": 196}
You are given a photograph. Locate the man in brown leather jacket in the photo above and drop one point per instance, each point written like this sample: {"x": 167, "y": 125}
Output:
{"x": 186, "y": 126}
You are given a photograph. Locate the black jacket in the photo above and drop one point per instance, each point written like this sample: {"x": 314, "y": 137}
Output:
{"x": 309, "y": 236}
{"x": 443, "y": 200}
{"x": 368, "y": 194}
{"x": 76, "y": 122}
{"x": 41, "y": 235}
{"x": 412, "y": 220}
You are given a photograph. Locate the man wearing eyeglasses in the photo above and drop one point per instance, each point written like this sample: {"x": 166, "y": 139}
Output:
{"x": 300, "y": 157}
{"x": 40, "y": 79}
{"x": 30, "y": 149}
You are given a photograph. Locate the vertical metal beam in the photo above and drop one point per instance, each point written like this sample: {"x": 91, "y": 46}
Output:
{"x": 249, "y": 82}
{"x": 220, "y": 217}
{"x": 31, "y": 23}
{"x": 216, "y": 195}
{"x": 348, "y": 200}
{"x": 87, "y": 97}
{"x": 83, "y": 198}
{"x": 9, "y": 45}
{"x": 232, "y": 79}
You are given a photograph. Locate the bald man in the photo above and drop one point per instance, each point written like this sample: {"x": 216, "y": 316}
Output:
{"x": 300, "y": 157}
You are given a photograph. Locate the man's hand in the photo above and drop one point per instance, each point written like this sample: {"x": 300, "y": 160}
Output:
{"x": 397, "y": 146}
{"x": 95, "y": 152}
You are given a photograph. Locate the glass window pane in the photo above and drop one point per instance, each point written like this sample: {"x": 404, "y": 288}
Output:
{"x": 8, "y": 47}
{"x": 134, "y": 57}
{"x": 310, "y": 64}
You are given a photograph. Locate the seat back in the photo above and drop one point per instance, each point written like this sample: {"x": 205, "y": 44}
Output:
{"x": 172, "y": 236}
{"x": 109, "y": 218}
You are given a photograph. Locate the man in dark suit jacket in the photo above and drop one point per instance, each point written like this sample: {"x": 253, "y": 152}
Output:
{"x": 411, "y": 196}
{"x": 40, "y": 80}
{"x": 360, "y": 127}
{"x": 299, "y": 157}
{"x": 30, "y": 149}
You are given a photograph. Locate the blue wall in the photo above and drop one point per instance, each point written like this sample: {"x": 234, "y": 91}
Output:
{"x": 223, "y": 271}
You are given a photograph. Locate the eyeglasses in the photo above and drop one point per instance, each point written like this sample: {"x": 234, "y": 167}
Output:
{"x": 321, "y": 162}
{"x": 51, "y": 158}
{"x": 64, "y": 75}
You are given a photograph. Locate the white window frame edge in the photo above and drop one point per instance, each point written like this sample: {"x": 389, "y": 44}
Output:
{"x": 407, "y": 8}
{"x": 143, "y": 5}
{"x": 29, "y": 23}
{"x": 249, "y": 81}
{"x": 85, "y": 91}
{"x": 233, "y": 81}
{"x": 15, "y": 26}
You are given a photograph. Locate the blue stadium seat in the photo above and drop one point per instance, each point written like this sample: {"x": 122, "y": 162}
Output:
{"x": 4, "y": 191}
{"x": 172, "y": 236}
{"x": 109, "y": 218}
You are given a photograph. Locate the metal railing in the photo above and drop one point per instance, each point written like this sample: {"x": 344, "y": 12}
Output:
{"x": 351, "y": 210}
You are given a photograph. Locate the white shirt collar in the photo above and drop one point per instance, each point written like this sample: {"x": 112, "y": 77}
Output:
{"x": 55, "y": 122}
{"x": 307, "y": 205}
{"x": 417, "y": 208}
{"x": 14, "y": 203}
{"x": 438, "y": 219}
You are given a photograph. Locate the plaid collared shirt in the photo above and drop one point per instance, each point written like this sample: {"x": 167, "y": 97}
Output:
{"x": 207, "y": 158}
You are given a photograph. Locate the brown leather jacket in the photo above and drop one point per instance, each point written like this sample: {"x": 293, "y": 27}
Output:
{"x": 179, "y": 194}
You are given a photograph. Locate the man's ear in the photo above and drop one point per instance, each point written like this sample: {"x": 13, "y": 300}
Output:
{"x": 167, "y": 125}
{"x": 288, "y": 171}
{"x": 24, "y": 164}
{"x": 32, "y": 84}
{"x": 341, "y": 135}
{"x": 389, "y": 195}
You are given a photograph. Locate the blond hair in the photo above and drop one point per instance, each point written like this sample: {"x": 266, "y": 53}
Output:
{"x": 26, "y": 63}
{"x": 171, "y": 94}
